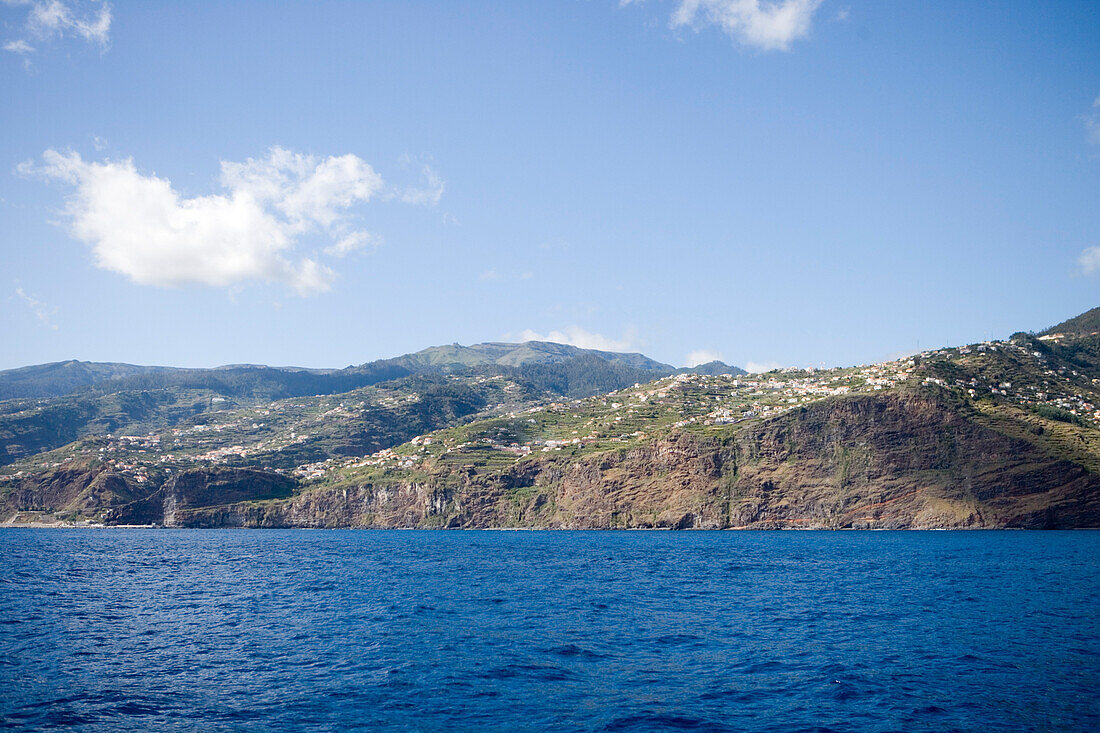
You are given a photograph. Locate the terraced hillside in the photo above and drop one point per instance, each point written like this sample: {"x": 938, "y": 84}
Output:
{"x": 999, "y": 434}
{"x": 64, "y": 402}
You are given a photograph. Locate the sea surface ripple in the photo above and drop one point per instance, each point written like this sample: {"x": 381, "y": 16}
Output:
{"x": 604, "y": 631}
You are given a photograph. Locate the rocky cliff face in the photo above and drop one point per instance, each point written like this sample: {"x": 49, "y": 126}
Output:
{"x": 997, "y": 434}
{"x": 90, "y": 491}
{"x": 904, "y": 460}
{"x": 79, "y": 489}
{"x": 899, "y": 460}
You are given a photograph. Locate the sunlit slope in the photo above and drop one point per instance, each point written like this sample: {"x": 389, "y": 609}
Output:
{"x": 944, "y": 440}
{"x": 147, "y": 402}
{"x": 1000, "y": 434}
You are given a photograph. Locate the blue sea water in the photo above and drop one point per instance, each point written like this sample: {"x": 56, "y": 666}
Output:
{"x": 613, "y": 631}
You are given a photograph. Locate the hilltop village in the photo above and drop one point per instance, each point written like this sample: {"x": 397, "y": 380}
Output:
{"x": 261, "y": 436}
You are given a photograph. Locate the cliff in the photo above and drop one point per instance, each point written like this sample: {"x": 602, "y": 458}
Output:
{"x": 998, "y": 434}
{"x": 890, "y": 461}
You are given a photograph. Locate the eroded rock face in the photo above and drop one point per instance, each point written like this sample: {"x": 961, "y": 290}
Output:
{"x": 889, "y": 461}
{"x": 56, "y": 489}
{"x": 895, "y": 460}
{"x": 83, "y": 489}
{"x": 218, "y": 493}
{"x": 905, "y": 461}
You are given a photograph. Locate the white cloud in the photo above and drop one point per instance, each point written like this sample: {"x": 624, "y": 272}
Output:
{"x": 140, "y": 226}
{"x": 1092, "y": 123}
{"x": 770, "y": 25}
{"x": 42, "y": 312}
{"x": 351, "y": 242}
{"x": 49, "y": 19}
{"x": 701, "y": 356}
{"x": 305, "y": 190}
{"x": 429, "y": 193}
{"x": 430, "y": 188}
{"x": 1090, "y": 260}
{"x": 19, "y": 46}
{"x": 759, "y": 367}
{"x": 493, "y": 275}
{"x": 577, "y": 336}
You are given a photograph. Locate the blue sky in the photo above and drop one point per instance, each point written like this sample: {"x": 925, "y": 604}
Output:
{"x": 323, "y": 184}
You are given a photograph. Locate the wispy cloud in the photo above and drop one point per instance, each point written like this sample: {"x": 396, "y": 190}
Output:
{"x": 349, "y": 243}
{"x": 577, "y": 336}
{"x": 493, "y": 275}
{"x": 44, "y": 313}
{"x": 427, "y": 194}
{"x": 140, "y": 226}
{"x": 1092, "y": 123}
{"x": 770, "y": 25}
{"x": 427, "y": 191}
{"x": 759, "y": 367}
{"x": 19, "y": 46}
{"x": 47, "y": 20}
{"x": 902, "y": 354}
{"x": 1089, "y": 260}
{"x": 701, "y": 356}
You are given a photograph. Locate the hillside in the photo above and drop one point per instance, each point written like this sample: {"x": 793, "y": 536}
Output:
{"x": 60, "y": 379}
{"x": 998, "y": 434}
{"x": 74, "y": 400}
{"x": 1086, "y": 324}
{"x": 904, "y": 444}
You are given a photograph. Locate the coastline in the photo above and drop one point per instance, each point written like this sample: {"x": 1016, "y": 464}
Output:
{"x": 92, "y": 525}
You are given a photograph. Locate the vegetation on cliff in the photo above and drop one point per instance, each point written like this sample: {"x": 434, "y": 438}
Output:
{"x": 998, "y": 434}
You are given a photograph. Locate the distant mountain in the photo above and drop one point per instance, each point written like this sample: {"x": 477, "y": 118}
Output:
{"x": 62, "y": 377}
{"x": 257, "y": 381}
{"x": 50, "y": 405}
{"x": 521, "y": 354}
{"x": 713, "y": 368}
{"x": 77, "y": 377}
{"x": 1086, "y": 324}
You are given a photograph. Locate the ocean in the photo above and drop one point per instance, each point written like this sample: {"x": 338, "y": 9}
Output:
{"x": 128, "y": 629}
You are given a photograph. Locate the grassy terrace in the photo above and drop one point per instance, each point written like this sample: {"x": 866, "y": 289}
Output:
{"x": 1011, "y": 384}
{"x": 286, "y": 433}
{"x": 698, "y": 403}
{"x": 389, "y": 431}
{"x": 305, "y": 435}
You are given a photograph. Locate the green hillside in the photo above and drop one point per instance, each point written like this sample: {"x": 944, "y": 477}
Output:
{"x": 63, "y": 377}
{"x": 997, "y": 434}
{"x": 1086, "y": 324}
{"x": 137, "y": 400}
{"x": 522, "y": 354}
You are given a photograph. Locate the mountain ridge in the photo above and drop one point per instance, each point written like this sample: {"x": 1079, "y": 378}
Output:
{"x": 56, "y": 379}
{"x": 994, "y": 434}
